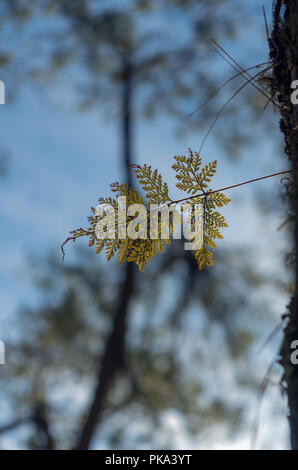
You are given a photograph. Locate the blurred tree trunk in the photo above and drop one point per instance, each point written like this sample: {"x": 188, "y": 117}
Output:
{"x": 284, "y": 48}
{"x": 113, "y": 358}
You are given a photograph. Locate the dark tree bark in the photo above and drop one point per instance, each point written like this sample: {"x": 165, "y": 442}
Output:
{"x": 15, "y": 424}
{"x": 43, "y": 432}
{"x": 127, "y": 117}
{"x": 113, "y": 358}
{"x": 284, "y": 49}
{"x": 39, "y": 419}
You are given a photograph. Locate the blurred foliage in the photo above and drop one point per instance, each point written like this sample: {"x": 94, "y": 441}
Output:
{"x": 166, "y": 42}
{"x": 185, "y": 326}
{"x": 4, "y": 162}
{"x": 180, "y": 344}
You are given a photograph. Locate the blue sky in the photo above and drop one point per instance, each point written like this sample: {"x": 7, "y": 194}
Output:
{"x": 62, "y": 161}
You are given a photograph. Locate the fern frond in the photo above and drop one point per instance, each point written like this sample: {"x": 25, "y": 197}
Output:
{"x": 213, "y": 221}
{"x": 141, "y": 252}
{"x": 111, "y": 248}
{"x": 157, "y": 191}
{"x": 124, "y": 250}
{"x": 204, "y": 257}
{"x": 110, "y": 223}
{"x": 206, "y": 174}
{"x": 100, "y": 245}
{"x": 218, "y": 200}
{"x": 187, "y": 172}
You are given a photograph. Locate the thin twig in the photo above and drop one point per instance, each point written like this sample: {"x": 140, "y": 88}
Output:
{"x": 224, "y": 84}
{"x": 244, "y": 72}
{"x": 261, "y": 392}
{"x": 225, "y": 104}
{"x": 256, "y": 85}
{"x": 14, "y": 424}
{"x": 233, "y": 186}
{"x": 188, "y": 198}
{"x": 272, "y": 335}
{"x": 259, "y": 85}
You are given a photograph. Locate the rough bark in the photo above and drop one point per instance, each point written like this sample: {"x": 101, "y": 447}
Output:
{"x": 284, "y": 49}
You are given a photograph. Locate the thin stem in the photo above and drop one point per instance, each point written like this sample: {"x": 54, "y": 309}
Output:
{"x": 188, "y": 198}
{"x": 243, "y": 71}
{"x": 226, "y": 103}
{"x": 230, "y": 187}
{"x": 224, "y": 84}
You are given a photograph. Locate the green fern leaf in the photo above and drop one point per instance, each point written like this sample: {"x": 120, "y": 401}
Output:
{"x": 106, "y": 229}
{"x": 157, "y": 191}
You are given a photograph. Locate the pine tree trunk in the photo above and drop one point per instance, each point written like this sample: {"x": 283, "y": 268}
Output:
{"x": 284, "y": 49}
{"x": 113, "y": 358}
